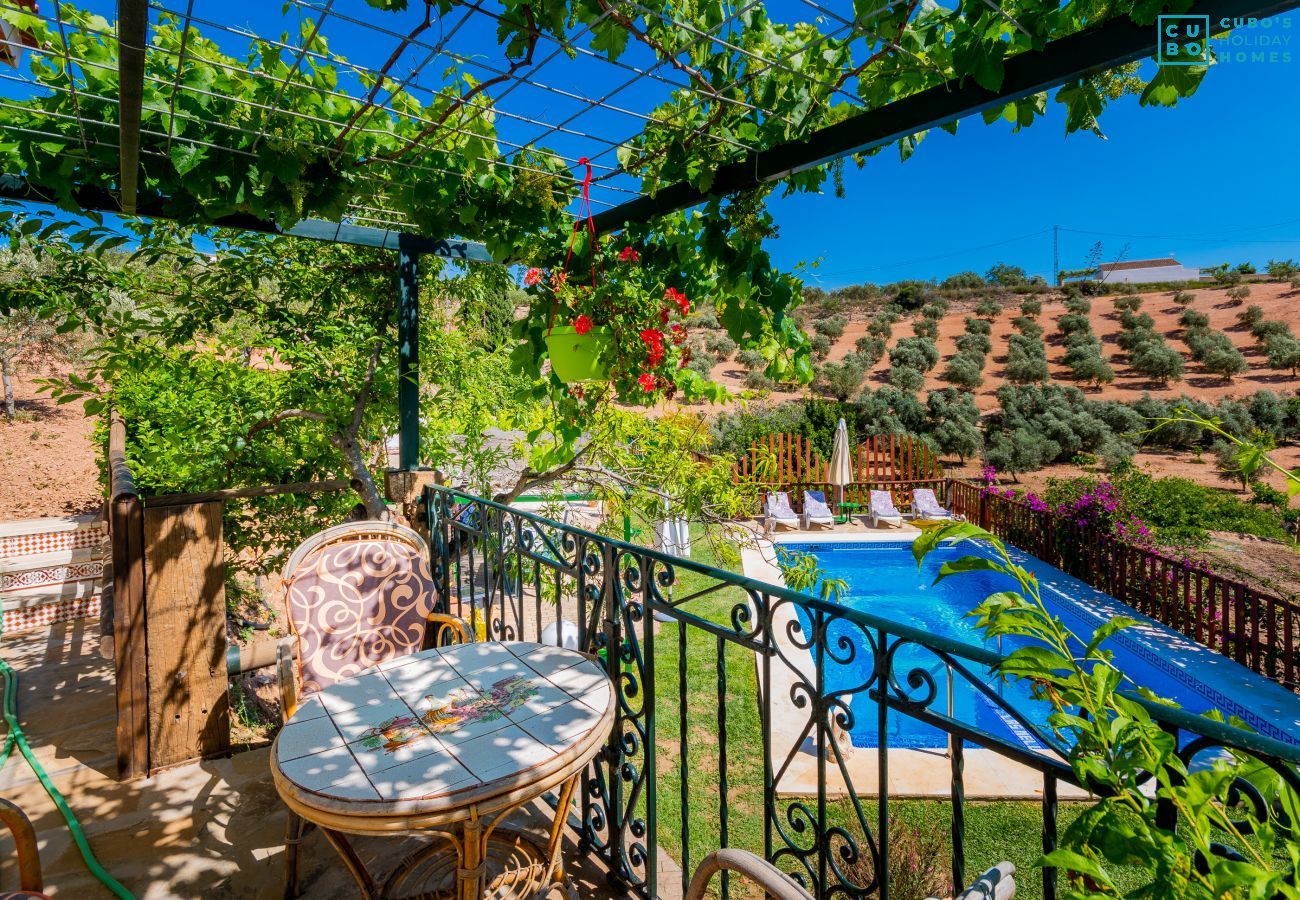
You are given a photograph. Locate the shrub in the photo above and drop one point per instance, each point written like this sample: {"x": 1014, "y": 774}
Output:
{"x": 1223, "y": 361}
{"x": 1283, "y": 352}
{"x": 1270, "y": 328}
{"x": 988, "y": 308}
{"x": 870, "y": 348}
{"x": 1042, "y": 424}
{"x": 1250, "y": 316}
{"x": 1031, "y": 306}
{"x": 821, "y": 345}
{"x": 1238, "y": 295}
{"x": 935, "y": 310}
{"x": 974, "y": 343}
{"x": 926, "y": 328}
{"x": 1078, "y": 305}
{"x": 1130, "y": 303}
{"x": 962, "y": 280}
{"x": 1182, "y": 298}
{"x": 953, "y": 420}
{"x": 914, "y": 352}
{"x": 1282, "y": 269}
{"x": 705, "y": 317}
{"x": 831, "y": 326}
{"x": 752, "y": 360}
{"x": 1026, "y": 360}
{"x": 1027, "y": 326}
{"x": 1006, "y": 275}
{"x": 1155, "y": 359}
{"x": 1088, "y": 366}
{"x": 759, "y": 382}
{"x": 978, "y": 326}
{"x": 910, "y": 294}
{"x": 964, "y": 370}
{"x": 906, "y": 378}
{"x": 842, "y": 380}
{"x": 1132, "y": 340}
{"x": 701, "y": 364}
{"x": 1074, "y": 323}
{"x": 1136, "y": 321}
{"x": 880, "y": 327}
{"x": 721, "y": 346}
{"x": 1190, "y": 318}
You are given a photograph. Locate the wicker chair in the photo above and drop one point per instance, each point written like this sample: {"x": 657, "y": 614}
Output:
{"x": 29, "y": 864}
{"x": 357, "y": 595}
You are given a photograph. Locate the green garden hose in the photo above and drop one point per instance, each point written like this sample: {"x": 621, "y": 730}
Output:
{"x": 15, "y": 737}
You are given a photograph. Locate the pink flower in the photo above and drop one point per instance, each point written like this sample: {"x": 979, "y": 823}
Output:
{"x": 582, "y": 325}
{"x": 532, "y": 276}
{"x": 627, "y": 254}
{"x": 647, "y": 382}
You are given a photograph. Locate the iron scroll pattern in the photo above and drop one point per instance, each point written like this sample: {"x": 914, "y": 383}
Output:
{"x": 823, "y": 673}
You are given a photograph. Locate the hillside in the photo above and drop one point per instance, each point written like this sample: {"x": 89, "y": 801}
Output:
{"x": 1278, "y": 301}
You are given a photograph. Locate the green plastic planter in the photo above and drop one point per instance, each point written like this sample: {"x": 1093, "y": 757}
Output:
{"x": 576, "y": 358}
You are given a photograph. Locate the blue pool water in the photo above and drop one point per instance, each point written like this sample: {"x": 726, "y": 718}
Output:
{"x": 883, "y": 579}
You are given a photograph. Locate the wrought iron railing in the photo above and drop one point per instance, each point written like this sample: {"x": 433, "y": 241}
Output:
{"x": 698, "y": 652}
{"x": 1257, "y": 629}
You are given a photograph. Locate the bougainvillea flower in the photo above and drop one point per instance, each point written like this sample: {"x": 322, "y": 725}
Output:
{"x": 647, "y": 382}
{"x": 627, "y": 254}
{"x": 532, "y": 276}
{"x": 582, "y": 325}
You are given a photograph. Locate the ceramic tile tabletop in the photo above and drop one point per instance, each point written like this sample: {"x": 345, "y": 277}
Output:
{"x": 442, "y": 721}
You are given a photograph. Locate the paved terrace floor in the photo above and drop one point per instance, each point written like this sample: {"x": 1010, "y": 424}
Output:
{"x": 209, "y": 829}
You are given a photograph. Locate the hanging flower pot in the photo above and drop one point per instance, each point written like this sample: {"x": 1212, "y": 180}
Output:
{"x": 579, "y": 356}
{"x": 611, "y": 319}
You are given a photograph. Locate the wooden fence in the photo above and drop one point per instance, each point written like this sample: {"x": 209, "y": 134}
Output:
{"x": 169, "y": 616}
{"x": 897, "y": 463}
{"x": 1256, "y": 629}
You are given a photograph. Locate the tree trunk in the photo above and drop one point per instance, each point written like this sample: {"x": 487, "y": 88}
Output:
{"x": 6, "y": 375}
{"x": 365, "y": 482}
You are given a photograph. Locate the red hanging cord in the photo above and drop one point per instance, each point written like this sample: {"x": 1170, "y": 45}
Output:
{"x": 577, "y": 226}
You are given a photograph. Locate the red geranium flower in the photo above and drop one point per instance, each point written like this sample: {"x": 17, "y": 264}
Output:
{"x": 532, "y": 276}
{"x": 647, "y": 382}
{"x": 675, "y": 296}
{"x": 679, "y": 334}
{"x": 627, "y": 254}
{"x": 582, "y": 325}
{"x": 653, "y": 337}
{"x": 559, "y": 278}
{"x": 663, "y": 315}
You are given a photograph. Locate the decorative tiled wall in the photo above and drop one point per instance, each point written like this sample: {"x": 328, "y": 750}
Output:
{"x": 53, "y": 571}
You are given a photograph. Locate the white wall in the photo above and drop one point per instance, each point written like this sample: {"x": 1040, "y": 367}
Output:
{"x": 1154, "y": 273}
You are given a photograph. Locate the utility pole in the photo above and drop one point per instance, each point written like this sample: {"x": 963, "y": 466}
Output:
{"x": 1056, "y": 255}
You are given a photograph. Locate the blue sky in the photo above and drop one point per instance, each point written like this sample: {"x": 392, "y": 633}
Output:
{"x": 1213, "y": 179}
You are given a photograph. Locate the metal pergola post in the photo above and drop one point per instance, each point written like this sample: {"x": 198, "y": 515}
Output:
{"x": 408, "y": 355}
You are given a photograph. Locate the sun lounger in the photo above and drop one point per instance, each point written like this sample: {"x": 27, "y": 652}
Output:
{"x": 815, "y": 510}
{"x": 778, "y": 512}
{"x": 926, "y": 506}
{"x": 882, "y": 509}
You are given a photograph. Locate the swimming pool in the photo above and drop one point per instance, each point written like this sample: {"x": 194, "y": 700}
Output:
{"x": 883, "y": 580}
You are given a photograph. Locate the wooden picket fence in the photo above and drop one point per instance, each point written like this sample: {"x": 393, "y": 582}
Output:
{"x": 1258, "y": 630}
{"x": 897, "y": 463}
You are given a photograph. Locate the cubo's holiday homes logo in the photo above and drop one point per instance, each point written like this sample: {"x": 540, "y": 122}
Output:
{"x": 1187, "y": 41}
{"x": 1183, "y": 41}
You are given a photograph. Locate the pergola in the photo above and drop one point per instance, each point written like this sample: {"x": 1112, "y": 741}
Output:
{"x": 563, "y": 94}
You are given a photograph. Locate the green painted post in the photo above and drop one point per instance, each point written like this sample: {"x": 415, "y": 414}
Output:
{"x": 408, "y": 357}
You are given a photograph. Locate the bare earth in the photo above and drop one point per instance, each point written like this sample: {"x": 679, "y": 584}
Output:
{"x": 47, "y": 457}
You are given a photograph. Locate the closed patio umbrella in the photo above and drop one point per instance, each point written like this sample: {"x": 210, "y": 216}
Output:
{"x": 841, "y": 470}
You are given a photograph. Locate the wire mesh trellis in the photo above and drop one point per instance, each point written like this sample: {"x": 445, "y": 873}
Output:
{"x": 566, "y": 99}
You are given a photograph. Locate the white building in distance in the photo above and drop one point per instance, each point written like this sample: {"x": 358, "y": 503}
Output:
{"x": 1145, "y": 271}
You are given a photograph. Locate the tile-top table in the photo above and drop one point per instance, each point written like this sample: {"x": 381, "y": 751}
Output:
{"x": 447, "y": 742}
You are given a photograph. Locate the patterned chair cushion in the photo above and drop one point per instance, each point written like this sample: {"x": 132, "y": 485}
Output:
{"x": 355, "y": 604}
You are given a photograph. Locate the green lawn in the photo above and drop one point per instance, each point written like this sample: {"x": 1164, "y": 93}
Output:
{"x": 994, "y": 831}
